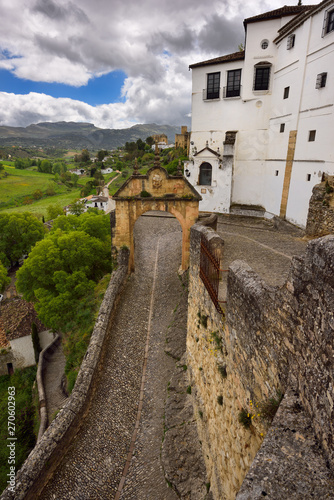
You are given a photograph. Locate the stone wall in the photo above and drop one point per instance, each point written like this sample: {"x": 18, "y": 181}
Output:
{"x": 320, "y": 218}
{"x": 46, "y": 455}
{"x": 271, "y": 340}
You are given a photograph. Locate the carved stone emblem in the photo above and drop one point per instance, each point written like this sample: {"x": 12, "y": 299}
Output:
{"x": 157, "y": 181}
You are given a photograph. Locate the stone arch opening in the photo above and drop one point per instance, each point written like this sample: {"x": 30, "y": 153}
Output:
{"x": 161, "y": 225}
{"x": 155, "y": 191}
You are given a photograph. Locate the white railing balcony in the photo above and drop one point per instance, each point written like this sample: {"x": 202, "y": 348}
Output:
{"x": 210, "y": 95}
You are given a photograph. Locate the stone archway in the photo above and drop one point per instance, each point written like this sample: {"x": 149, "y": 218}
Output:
{"x": 156, "y": 190}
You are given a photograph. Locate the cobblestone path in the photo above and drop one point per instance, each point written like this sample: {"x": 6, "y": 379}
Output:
{"x": 93, "y": 465}
{"x": 54, "y": 370}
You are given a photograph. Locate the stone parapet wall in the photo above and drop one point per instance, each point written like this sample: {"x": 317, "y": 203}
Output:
{"x": 272, "y": 339}
{"x": 320, "y": 218}
{"x": 46, "y": 455}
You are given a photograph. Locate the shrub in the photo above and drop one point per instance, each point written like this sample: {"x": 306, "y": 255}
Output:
{"x": 245, "y": 418}
{"x": 37, "y": 195}
{"x": 50, "y": 191}
{"x": 269, "y": 407}
{"x": 145, "y": 194}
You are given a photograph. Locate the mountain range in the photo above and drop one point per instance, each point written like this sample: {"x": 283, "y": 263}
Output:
{"x": 71, "y": 135}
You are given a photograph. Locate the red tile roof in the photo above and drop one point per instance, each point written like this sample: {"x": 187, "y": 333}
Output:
{"x": 236, "y": 56}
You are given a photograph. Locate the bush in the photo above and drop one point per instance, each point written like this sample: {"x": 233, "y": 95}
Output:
{"x": 145, "y": 194}
{"x": 245, "y": 418}
{"x": 50, "y": 191}
{"x": 37, "y": 195}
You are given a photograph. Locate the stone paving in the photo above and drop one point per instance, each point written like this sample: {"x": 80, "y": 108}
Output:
{"x": 266, "y": 250}
{"x": 54, "y": 370}
{"x": 93, "y": 466}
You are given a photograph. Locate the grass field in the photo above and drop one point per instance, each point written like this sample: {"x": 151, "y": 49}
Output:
{"x": 22, "y": 183}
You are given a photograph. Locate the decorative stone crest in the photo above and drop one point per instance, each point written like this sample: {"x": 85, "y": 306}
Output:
{"x": 157, "y": 181}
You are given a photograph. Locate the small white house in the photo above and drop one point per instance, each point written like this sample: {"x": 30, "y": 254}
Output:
{"x": 106, "y": 170}
{"x": 263, "y": 118}
{"x": 100, "y": 202}
{"x": 78, "y": 171}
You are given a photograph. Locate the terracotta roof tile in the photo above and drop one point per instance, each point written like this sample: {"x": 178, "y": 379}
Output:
{"x": 16, "y": 318}
{"x": 236, "y": 56}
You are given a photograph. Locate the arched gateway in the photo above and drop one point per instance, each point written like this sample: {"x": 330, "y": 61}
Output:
{"x": 156, "y": 190}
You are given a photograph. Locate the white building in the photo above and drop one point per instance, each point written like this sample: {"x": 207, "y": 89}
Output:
{"x": 100, "y": 202}
{"x": 262, "y": 119}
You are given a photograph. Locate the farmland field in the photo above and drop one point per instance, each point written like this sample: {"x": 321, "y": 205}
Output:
{"x": 19, "y": 184}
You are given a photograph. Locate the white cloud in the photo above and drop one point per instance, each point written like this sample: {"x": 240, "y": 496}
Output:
{"x": 72, "y": 41}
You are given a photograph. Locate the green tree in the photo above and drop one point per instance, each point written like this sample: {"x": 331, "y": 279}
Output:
{"x": 74, "y": 179}
{"x": 18, "y": 234}
{"x": 59, "y": 168}
{"x": 53, "y": 211}
{"x": 149, "y": 140}
{"x": 94, "y": 224}
{"x": 4, "y": 278}
{"x": 45, "y": 166}
{"x": 102, "y": 154}
{"x": 85, "y": 156}
{"x": 77, "y": 208}
{"x": 60, "y": 272}
{"x": 140, "y": 145}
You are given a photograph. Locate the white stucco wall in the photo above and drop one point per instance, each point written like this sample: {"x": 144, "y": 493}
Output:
{"x": 23, "y": 352}
{"x": 261, "y": 149}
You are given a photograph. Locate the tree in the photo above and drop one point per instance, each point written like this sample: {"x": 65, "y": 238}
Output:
{"x": 4, "y": 278}
{"x": 60, "y": 272}
{"x": 59, "y": 168}
{"x": 140, "y": 145}
{"x": 45, "y": 166}
{"x": 74, "y": 179}
{"x": 85, "y": 156}
{"x": 96, "y": 225}
{"x": 149, "y": 140}
{"x": 18, "y": 234}
{"x": 102, "y": 154}
{"x": 77, "y": 208}
{"x": 53, "y": 211}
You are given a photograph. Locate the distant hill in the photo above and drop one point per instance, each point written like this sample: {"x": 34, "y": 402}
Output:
{"x": 71, "y": 135}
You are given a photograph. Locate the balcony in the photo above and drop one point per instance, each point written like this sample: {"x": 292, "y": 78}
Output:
{"x": 211, "y": 94}
{"x": 230, "y": 92}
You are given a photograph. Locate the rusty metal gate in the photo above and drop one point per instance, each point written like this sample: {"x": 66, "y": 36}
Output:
{"x": 210, "y": 271}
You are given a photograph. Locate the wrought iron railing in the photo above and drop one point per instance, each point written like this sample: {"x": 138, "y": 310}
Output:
{"x": 210, "y": 271}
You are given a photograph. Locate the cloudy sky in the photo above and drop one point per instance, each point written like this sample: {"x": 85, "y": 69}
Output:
{"x": 113, "y": 63}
